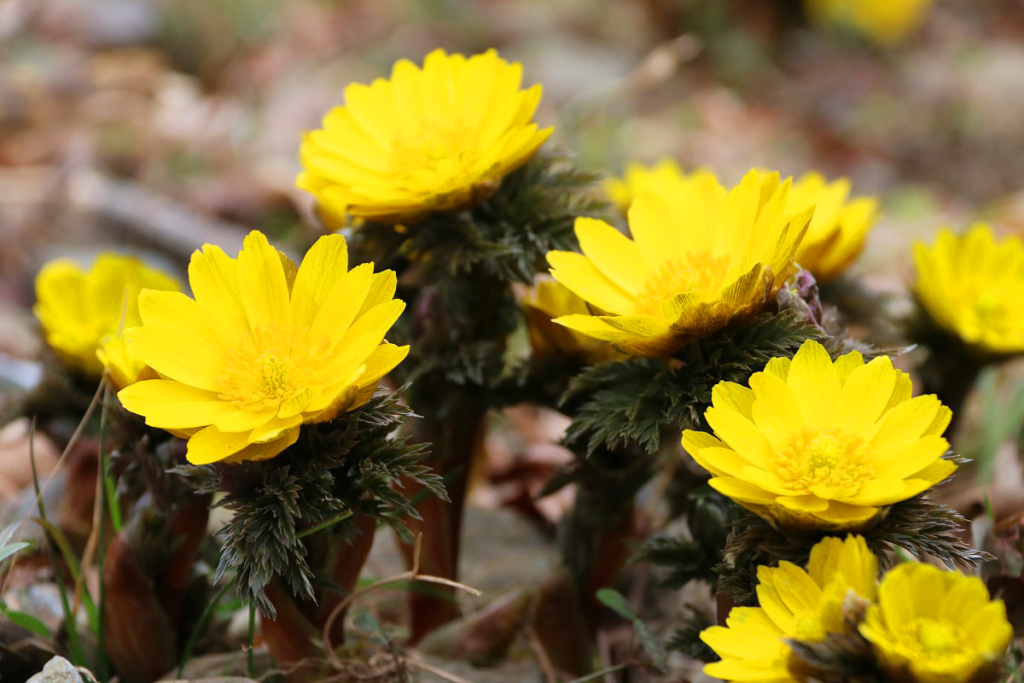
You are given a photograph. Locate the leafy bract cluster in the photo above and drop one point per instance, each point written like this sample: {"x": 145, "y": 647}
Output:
{"x": 636, "y": 400}
{"x": 459, "y": 268}
{"x": 353, "y": 464}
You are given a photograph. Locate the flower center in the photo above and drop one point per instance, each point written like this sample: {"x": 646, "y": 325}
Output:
{"x": 270, "y": 366}
{"x": 829, "y": 463}
{"x": 992, "y": 312}
{"x": 934, "y": 640}
{"x": 695, "y": 271}
{"x": 439, "y": 148}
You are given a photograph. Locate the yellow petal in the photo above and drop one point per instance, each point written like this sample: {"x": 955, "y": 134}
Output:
{"x": 742, "y": 491}
{"x": 864, "y": 396}
{"x": 741, "y": 435}
{"x": 815, "y": 383}
{"x": 161, "y": 349}
{"x": 169, "y": 404}
{"x": 211, "y": 445}
{"x": 322, "y": 266}
{"x": 213, "y": 276}
{"x": 582, "y": 277}
{"x": 776, "y": 412}
{"x": 614, "y": 254}
{"x": 735, "y": 397}
{"x": 382, "y": 289}
{"x": 262, "y": 278}
{"x": 341, "y": 304}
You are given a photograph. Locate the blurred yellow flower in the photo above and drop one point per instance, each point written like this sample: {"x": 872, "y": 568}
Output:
{"x": 932, "y": 626}
{"x": 973, "y": 286}
{"x": 80, "y": 310}
{"x": 839, "y": 228}
{"x": 794, "y": 603}
{"x": 884, "y": 21}
{"x": 263, "y": 348}
{"x": 123, "y": 367}
{"x": 701, "y": 259}
{"x": 663, "y": 177}
{"x": 550, "y": 299}
{"x": 817, "y": 444}
{"x": 439, "y": 138}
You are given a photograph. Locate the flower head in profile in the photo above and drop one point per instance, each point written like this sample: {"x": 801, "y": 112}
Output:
{"x": 701, "y": 259}
{"x": 426, "y": 140}
{"x": 934, "y": 626}
{"x": 839, "y": 228}
{"x": 263, "y": 348}
{"x": 548, "y": 300}
{"x": 83, "y": 311}
{"x": 883, "y": 21}
{"x": 813, "y": 443}
{"x": 834, "y": 238}
{"x": 973, "y": 287}
{"x": 794, "y": 603}
{"x": 663, "y": 177}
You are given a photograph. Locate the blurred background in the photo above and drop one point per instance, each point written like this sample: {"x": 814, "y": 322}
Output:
{"x": 167, "y": 123}
{"x": 154, "y": 126}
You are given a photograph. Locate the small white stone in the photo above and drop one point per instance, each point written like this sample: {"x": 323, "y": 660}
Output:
{"x": 57, "y": 670}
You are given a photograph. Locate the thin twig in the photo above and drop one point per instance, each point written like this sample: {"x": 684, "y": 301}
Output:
{"x": 411, "y": 575}
{"x": 440, "y": 673}
{"x": 99, "y": 531}
{"x": 60, "y": 461}
{"x": 250, "y": 655}
{"x": 186, "y": 654}
{"x": 542, "y": 655}
{"x": 69, "y": 619}
{"x": 603, "y": 672}
{"x": 326, "y": 523}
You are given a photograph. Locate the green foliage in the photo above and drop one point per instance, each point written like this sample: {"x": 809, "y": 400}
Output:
{"x": 709, "y": 515}
{"x": 506, "y": 237}
{"x": 654, "y": 649}
{"x": 919, "y": 526}
{"x": 687, "y": 639}
{"x": 1002, "y": 419}
{"x": 684, "y": 559}
{"x": 7, "y": 548}
{"x": 457, "y": 269}
{"x": 26, "y": 621}
{"x": 351, "y": 463}
{"x": 616, "y": 403}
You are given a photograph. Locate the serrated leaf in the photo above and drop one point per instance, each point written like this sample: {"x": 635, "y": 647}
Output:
{"x": 654, "y": 649}
{"x": 615, "y": 601}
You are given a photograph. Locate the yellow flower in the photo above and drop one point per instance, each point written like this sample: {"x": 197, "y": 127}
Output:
{"x": 974, "y": 287}
{"x": 80, "y": 310}
{"x": 839, "y": 228}
{"x": 123, "y": 366}
{"x": 805, "y": 605}
{"x": 817, "y": 444}
{"x": 701, "y": 259}
{"x": 263, "y": 348}
{"x": 835, "y": 236}
{"x": 884, "y": 21}
{"x": 663, "y": 178}
{"x": 548, "y": 300}
{"x": 932, "y": 626}
{"x": 439, "y": 138}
